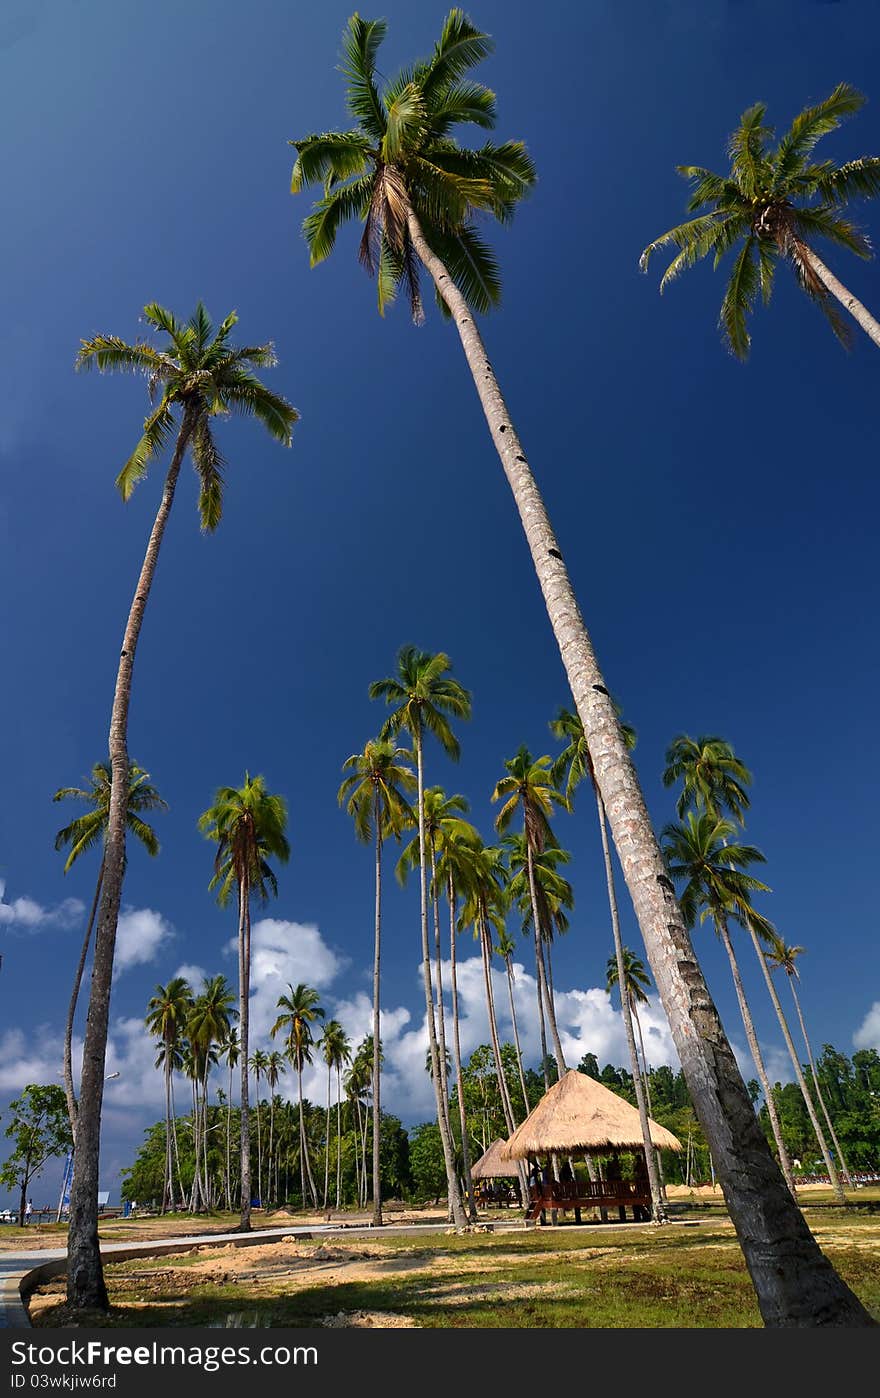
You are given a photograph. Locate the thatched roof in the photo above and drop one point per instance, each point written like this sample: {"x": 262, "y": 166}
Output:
{"x": 491, "y": 1167}
{"x": 580, "y": 1114}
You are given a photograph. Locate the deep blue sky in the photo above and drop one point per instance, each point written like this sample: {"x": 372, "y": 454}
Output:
{"x": 719, "y": 520}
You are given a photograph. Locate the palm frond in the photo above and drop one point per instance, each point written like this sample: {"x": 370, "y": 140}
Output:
{"x": 809, "y": 126}
{"x": 857, "y": 179}
{"x": 472, "y": 265}
{"x": 462, "y": 103}
{"x": 328, "y": 157}
{"x": 337, "y": 207}
{"x": 461, "y": 46}
{"x": 406, "y": 123}
{"x": 739, "y": 300}
{"x": 109, "y": 354}
{"x": 747, "y": 149}
{"x": 209, "y": 466}
{"x": 360, "y": 44}
{"x": 158, "y": 429}
{"x": 825, "y": 222}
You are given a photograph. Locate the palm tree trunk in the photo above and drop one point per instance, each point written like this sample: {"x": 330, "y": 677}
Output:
{"x": 244, "y": 991}
{"x": 843, "y": 1165}
{"x": 458, "y": 1214}
{"x": 519, "y": 1061}
{"x": 377, "y": 1043}
{"x": 304, "y": 1143}
{"x": 798, "y": 1072}
{"x": 85, "y": 1275}
{"x": 658, "y": 1211}
{"x": 327, "y": 1137}
{"x": 229, "y": 1142}
{"x": 849, "y": 302}
{"x": 168, "y": 1187}
{"x": 456, "y": 1053}
{"x": 174, "y": 1142}
{"x": 338, "y": 1137}
{"x": 539, "y": 956}
{"x": 647, "y": 1081}
{"x": 259, "y": 1145}
{"x": 784, "y": 1160}
{"x": 506, "y": 1104}
{"x": 794, "y": 1281}
{"x": 438, "y": 958}
{"x": 71, "y": 1009}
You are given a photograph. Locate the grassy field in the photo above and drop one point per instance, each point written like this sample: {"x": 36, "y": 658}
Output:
{"x": 689, "y": 1275}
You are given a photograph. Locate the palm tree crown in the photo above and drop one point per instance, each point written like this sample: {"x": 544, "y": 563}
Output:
{"x": 300, "y": 1010}
{"x": 376, "y": 785}
{"x": 87, "y": 830}
{"x": 712, "y": 777}
{"x": 635, "y": 978}
{"x": 425, "y": 696}
{"x": 401, "y": 156}
{"x": 574, "y": 763}
{"x": 529, "y": 784}
{"x": 772, "y": 203}
{"x": 248, "y": 826}
{"x": 716, "y": 885}
{"x": 199, "y": 372}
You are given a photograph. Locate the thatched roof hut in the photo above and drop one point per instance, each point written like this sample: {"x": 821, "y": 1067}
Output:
{"x": 490, "y": 1166}
{"x": 580, "y": 1115}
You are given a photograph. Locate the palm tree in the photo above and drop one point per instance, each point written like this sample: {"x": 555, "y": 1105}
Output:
{"x": 355, "y": 1083}
{"x": 378, "y": 173}
{"x": 780, "y": 956}
{"x": 248, "y": 827}
{"x": 167, "y": 1015}
{"x": 274, "y": 1070}
{"x": 426, "y": 696}
{"x": 207, "y": 1028}
{"x": 529, "y": 788}
{"x": 554, "y": 896}
{"x": 700, "y": 854}
{"x": 229, "y": 1050}
{"x": 773, "y": 203}
{"x": 83, "y": 834}
{"x": 335, "y": 1050}
{"x": 200, "y": 375}
{"x": 373, "y": 796}
{"x": 300, "y": 1010}
{"x": 258, "y": 1065}
{"x": 636, "y": 983}
{"x": 505, "y": 947}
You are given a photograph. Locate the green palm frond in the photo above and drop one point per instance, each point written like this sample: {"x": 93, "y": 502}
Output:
{"x": 472, "y": 265}
{"x": 809, "y": 126}
{"x": 825, "y": 222}
{"x": 209, "y": 467}
{"x": 337, "y": 207}
{"x": 739, "y": 300}
{"x": 158, "y": 430}
{"x": 461, "y": 46}
{"x": 747, "y": 149}
{"x": 406, "y": 123}
{"x": 328, "y": 157}
{"x": 360, "y": 43}
{"x": 459, "y": 102}
{"x": 108, "y": 354}
{"x": 244, "y": 395}
{"x": 857, "y": 179}
{"x": 708, "y": 188}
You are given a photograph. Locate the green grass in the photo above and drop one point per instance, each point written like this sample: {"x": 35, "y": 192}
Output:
{"x": 680, "y": 1277}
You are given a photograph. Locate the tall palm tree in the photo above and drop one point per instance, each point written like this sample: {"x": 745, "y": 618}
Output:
{"x": 198, "y": 375}
{"x": 335, "y": 1050}
{"x": 554, "y": 895}
{"x": 248, "y": 826}
{"x": 505, "y": 947}
{"x": 700, "y": 855}
{"x": 83, "y": 834}
{"x": 300, "y": 1011}
{"x": 167, "y": 1015}
{"x": 457, "y": 841}
{"x": 378, "y": 173}
{"x": 529, "y": 789}
{"x": 781, "y": 956}
{"x": 258, "y": 1065}
{"x": 355, "y": 1083}
{"x": 374, "y": 797}
{"x": 275, "y": 1070}
{"x": 229, "y": 1050}
{"x": 773, "y": 204}
{"x": 636, "y": 982}
{"x": 425, "y": 697}
{"x": 207, "y": 1028}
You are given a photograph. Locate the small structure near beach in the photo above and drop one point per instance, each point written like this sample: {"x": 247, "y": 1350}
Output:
{"x": 490, "y": 1176}
{"x": 580, "y": 1116}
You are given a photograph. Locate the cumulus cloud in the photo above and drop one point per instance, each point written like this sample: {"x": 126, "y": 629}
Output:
{"x": 141, "y": 933}
{"x": 282, "y": 954}
{"x": 196, "y": 976}
{"x": 25, "y": 913}
{"x": 867, "y": 1035}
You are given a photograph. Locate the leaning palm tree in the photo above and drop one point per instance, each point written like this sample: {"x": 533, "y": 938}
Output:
{"x": 248, "y": 826}
{"x": 772, "y": 204}
{"x": 712, "y": 871}
{"x": 425, "y": 697}
{"x": 529, "y": 789}
{"x": 83, "y": 834}
{"x": 780, "y": 956}
{"x": 374, "y": 797}
{"x": 403, "y": 174}
{"x": 167, "y": 1015}
{"x": 198, "y": 376}
{"x": 300, "y": 1011}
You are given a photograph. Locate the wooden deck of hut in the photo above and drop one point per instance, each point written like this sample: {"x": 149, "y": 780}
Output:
{"x": 580, "y": 1116}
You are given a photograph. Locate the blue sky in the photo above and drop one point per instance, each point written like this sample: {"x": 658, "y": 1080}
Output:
{"x": 719, "y": 520}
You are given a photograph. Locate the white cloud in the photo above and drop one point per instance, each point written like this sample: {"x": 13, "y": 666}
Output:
{"x": 140, "y": 934}
{"x": 33, "y": 917}
{"x": 282, "y": 954}
{"x": 868, "y": 1033}
{"x": 197, "y": 976}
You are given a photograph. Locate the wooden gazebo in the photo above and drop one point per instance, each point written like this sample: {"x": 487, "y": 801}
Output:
{"x": 490, "y": 1172}
{"x": 580, "y": 1116}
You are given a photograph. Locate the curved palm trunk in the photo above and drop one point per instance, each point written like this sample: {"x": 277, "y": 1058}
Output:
{"x": 244, "y": 991}
{"x": 71, "y": 1009}
{"x": 455, "y": 1201}
{"x": 843, "y": 1165}
{"x": 798, "y": 1072}
{"x": 456, "y": 1053}
{"x": 85, "y": 1276}
{"x": 784, "y": 1160}
{"x": 837, "y": 289}
{"x": 658, "y": 1212}
{"x": 377, "y": 1045}
{"x": 519, "y": 1062}
{"x": 542, "y": 972}
{"x": 795, "y": 1283}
